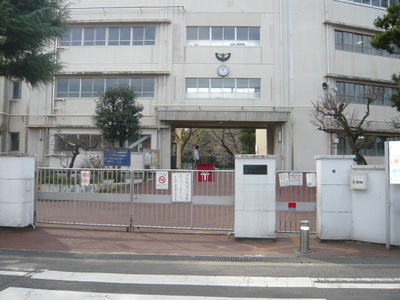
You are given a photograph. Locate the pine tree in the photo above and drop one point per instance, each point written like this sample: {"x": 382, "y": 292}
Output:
{"x": 27, "y": 28}
{"x": 118, "y": 115}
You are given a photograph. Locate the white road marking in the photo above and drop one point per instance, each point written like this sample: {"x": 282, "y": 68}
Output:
{"x": 230, "y": 281}
{"x": 39, "y": 294}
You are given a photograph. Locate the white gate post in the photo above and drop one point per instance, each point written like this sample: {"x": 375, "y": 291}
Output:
{"x": 17, "y": 187}
{"x": 255, "y": 196}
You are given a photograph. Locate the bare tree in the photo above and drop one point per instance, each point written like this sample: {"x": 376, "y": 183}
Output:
{"x": 227, "y": 140}
{"x": 70, "y": 145}
{"x": 332, "y": 114}
{"x": 394, "y": 123}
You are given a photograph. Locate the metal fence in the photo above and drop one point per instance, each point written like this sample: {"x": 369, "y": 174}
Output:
{"x": 180, "y": 199}
{"x": 296, "y": 195}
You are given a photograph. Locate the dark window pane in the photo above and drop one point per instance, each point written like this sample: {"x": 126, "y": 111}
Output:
{"x": 242, "y": 34}
{"x": 191, "y": 33}
{"x": 254, "y": 33}
{"x": 229, "y": 33}
{"x": 216, "y": 33}
{"x": 204, "y": 33}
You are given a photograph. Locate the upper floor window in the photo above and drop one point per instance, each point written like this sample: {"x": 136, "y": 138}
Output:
{"x": 17, "y": 90}
{"x": 376, "y": 147}
{"x": 355, "y": 42}
{"x": 225, "y": 88}
{"x": 222, "y": 36}
{"x": 377, "y": 3}
{"x": 94, "y": 87}
{"x": 356, "y": 93}
{"x": 110, "y": 36}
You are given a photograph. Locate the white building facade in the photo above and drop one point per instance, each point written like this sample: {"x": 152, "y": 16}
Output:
{"x": 208, "y": 64}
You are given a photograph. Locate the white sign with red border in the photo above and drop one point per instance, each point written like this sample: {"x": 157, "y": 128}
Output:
{"x": 162, "y": 180}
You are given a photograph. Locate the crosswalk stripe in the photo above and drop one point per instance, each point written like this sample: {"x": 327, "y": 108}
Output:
{"x": 234, "y": 281}
{"x": 40, "y": 294}
{"x": 230, "y": 281}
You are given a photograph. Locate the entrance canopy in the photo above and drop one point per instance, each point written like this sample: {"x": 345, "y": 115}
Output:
{"x": 232, "y": 117}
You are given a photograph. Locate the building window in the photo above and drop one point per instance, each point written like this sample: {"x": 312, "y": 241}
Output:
{"x": 356, "y": 93}
{"x": 14, "y": 141}
{"x": 377, "y": 3}
{"x": 139, "y": 142}
{"x": 224, "y": 88}
{"x": 377, "y": 148}
{"x": 355, "y": 42}
{"x": 67, "y": 142}
{"x": 222, "y": 36}
{"x": 17, "y": 90}
{"x": 110, "y": 36}
{"x": 94, "y": 87}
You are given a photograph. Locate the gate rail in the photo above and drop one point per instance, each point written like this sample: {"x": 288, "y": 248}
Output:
{"x": 179, "y": 199}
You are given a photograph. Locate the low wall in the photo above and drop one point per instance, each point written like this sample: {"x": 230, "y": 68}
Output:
{"x": 355, "y": 212}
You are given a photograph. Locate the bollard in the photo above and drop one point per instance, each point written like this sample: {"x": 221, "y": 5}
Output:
{"x": 304, "y": 237}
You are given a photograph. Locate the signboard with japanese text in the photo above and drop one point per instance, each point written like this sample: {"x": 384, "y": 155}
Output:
{"x": 296, "y": 179}
{"x": 182, "y": 187}
{"x": 117, "y": 157}
{"x": 394, "y": 162}
{"x": 162, "y": 180}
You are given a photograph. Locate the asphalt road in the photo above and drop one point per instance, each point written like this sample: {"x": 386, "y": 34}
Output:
{"x": 49, "y": 275}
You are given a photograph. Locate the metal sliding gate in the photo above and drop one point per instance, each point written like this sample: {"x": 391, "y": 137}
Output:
{"x": 296, "y": 195}
{"x": 179, "y": 199}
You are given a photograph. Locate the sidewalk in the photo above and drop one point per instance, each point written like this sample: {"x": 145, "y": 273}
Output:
{"x": 140, "y": 242}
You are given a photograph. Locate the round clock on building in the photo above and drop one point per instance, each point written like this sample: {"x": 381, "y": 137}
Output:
{"x": 223, "y": 70}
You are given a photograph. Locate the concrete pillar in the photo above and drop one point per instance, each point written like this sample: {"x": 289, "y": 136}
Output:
{"x": 255, "y": 196}
{"x": 334, "y": 202}
{"x": 17, "y": 186}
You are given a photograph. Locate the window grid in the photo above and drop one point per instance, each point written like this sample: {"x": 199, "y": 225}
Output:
{"x": 64, "y": 142}
{"x": 355, "y": 93}
{"x": 376, "y": 149}
{"x": 222, "y": 36}
{"x": 109, "y": 36}
{"x": 94, "y": 87}
{"x": 225, "y": 88}
{"x": 375, "y": 3}
{"x": 354, "y": 42}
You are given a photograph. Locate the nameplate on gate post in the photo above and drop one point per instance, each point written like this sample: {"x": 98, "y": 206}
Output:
{"x": 182, "y": 187}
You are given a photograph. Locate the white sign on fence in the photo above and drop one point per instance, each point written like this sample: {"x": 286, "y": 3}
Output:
{"x": 182, "y": 187}
{"x": 394, "y": 162}
{"x": 311, "y": 179}
{"x": 85, "y": 178}
{"x": 296, "y": 179}
{"x": 162, "y": 180}
{"x": 284, "y": 179}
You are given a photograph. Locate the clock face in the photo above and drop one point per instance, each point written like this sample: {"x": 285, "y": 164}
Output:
{"x": 223, "y": 70}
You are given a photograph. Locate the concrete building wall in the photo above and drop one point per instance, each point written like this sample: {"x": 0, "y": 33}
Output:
{"x": 295, "y": 57}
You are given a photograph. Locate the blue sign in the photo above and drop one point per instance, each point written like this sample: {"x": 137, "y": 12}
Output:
{"x": 117, "y": 157}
